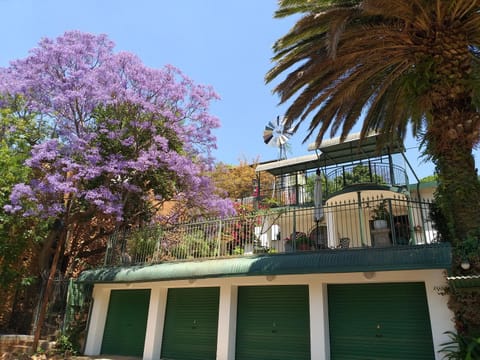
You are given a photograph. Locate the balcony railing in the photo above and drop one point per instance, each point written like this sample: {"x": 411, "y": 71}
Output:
{"x": 370, "y": 173}
{"x": 297, "y": 188}
{"x": 346, "y": 224}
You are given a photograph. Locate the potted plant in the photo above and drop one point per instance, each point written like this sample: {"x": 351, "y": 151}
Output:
{"x": 380, "y": 215}
{"x": 302, "y": 241}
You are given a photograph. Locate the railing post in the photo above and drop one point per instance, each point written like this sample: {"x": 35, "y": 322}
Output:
{"x": 370, "y": 171}
{"x": 296, "y": 189}
{"x": 360, "y": 219}
{"x": 392, "y": 224}
{"x": 108, "y": 251}
{"x": 390, "y": 166}
{"x": 219, "y": 238}
{"x": 410, "y": 220}
{"x": 294, "y": 234}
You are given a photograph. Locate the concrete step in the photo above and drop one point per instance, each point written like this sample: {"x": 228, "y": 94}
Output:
{"x": 22, "y": 344}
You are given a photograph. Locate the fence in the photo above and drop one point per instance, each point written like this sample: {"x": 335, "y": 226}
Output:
{"x": 347, "y": 224}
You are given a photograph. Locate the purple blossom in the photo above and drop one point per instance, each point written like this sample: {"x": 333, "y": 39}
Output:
{"x": 115, "y": 120}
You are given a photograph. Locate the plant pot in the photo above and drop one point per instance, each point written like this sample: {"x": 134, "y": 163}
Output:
{"x": 380, "y": 224}
{"x": 304, "y": 247}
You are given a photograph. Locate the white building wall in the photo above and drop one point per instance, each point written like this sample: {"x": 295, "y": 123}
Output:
{"x": 440, "y": 315}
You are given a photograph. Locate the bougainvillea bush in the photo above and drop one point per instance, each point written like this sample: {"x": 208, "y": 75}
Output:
{"x": 123, "y": 137}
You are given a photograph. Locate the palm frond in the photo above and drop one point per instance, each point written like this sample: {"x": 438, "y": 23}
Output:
{"x": 373, "y": 58}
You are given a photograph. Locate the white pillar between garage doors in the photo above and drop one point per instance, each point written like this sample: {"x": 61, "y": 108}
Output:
{"x": 319, "y": 334}
{"x": 98, "y": 316}
{"x": 156, "y": 318}
{"x": 227, "y": 322}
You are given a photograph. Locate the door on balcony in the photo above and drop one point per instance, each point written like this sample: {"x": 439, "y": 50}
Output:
{"x": 191, "y": 322}
{"x": 126, "y": 323}
{"x": 273, "y": 323}
{"x": 379, "y": 321}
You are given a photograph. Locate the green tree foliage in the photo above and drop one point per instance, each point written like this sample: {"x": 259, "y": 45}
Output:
{"x": 429, "y": 178}
{"x": 18, "y": 133}
{"x": 240, "y": 181}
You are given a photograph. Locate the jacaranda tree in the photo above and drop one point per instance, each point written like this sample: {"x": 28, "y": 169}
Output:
{"x": 124, "y": 137}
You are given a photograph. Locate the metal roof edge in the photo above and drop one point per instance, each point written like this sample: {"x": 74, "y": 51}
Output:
{"x": 437, "y": 256}
{"x": 275, "y": 164}
{"x": 468, "y": 282}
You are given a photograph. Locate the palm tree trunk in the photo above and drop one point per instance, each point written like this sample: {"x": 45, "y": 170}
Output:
{"x": 458, "y": 193}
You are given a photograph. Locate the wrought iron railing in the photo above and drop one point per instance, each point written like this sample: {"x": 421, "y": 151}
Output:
{"x": 369, "y": 173}
{"x": 297, "y": 188}
{"x": 346, "y": 224}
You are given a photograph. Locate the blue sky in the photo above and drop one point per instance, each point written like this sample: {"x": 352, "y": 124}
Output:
{"x": 223, "y": 43}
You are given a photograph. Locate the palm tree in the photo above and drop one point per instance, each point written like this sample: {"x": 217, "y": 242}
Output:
{"x": 391, "y": 64}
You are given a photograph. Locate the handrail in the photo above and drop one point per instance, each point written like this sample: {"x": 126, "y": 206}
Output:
{"x": 345, "y": 224}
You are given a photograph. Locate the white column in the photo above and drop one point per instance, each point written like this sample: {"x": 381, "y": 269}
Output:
{"x": 227, "y": 322}
{"x": 331, "y": 232}
{"x": 155, "y": 322}
{"x": 98, "y": 316}
{"x": 440, "y": 315}
{"x": 319, "y": 334}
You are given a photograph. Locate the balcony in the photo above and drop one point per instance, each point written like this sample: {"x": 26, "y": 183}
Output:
{"x": 377, "y": 174}
{"x": 345, "y": 225}
{"x": 296, "y": 189}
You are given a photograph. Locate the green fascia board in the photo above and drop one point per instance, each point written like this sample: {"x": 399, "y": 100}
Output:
{"x": 424, "y": 185}
{"x": 437, "y": 256}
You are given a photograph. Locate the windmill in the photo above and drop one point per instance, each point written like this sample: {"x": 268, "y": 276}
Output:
{"x": 276, "y": 135}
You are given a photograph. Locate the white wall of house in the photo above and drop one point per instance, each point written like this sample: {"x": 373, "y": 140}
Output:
{"x": 440, "y": 315}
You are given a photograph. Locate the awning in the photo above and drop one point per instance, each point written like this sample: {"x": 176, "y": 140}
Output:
{"x": 332, "y": 152}
{"x": 418, "y": 257}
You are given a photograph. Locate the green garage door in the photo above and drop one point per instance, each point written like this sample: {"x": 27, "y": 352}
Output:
{"x": 191, "y": 324}
{"x": 126, "y": 323}
{"x": 379, "y": 321}
{"x": 273, "y": 323}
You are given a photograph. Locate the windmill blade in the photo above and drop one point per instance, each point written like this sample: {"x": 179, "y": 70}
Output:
{"x": 282, "y": 139}
{"x": 276, "y": 135}
{"x": 268, "y": 133}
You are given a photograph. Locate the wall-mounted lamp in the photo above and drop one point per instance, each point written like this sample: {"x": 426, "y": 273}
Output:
{"x": 465, "y": 265}
{"x": 369, "y": 274}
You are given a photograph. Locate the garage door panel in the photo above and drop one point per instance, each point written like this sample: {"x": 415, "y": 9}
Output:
{"x": 126, "y": 323}
{"x": 379, "y": 321}
{"x": 273, "y": 323}
{"x": 191, "y": 323}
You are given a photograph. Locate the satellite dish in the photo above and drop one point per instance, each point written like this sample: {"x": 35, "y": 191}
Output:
{"x": 276, "y": 135}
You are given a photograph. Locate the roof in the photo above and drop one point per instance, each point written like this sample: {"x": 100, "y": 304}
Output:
{"x": 436, "y": 256}
{"x": 464, "y": 282}
{"x": 332, "y": 152}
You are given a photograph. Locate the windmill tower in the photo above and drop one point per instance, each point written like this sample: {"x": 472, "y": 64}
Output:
{"x": 276, "y": 135}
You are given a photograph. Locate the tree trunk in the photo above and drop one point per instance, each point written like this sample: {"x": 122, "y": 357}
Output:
{"x": 451, "y": 141}
{"x": 62, "y": 235}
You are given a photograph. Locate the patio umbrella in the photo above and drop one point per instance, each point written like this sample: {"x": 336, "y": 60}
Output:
{"x": 317, "y": 198}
